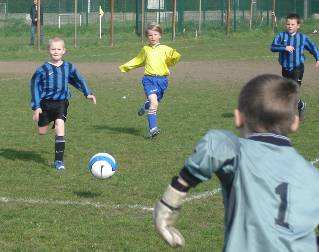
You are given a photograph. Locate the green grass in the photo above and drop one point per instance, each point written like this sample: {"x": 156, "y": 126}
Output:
{"x": 212, "y": 45}
{"x": 189, "y": 109}
{"x": 145, "y": 169}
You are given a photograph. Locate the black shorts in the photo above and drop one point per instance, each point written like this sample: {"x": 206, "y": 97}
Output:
{"x": 52, "y": 110}
{"x": 295, "y": 74}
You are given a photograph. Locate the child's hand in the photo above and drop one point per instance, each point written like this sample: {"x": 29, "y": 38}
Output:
{"x": 91, "y": 97}
{"x": 164, "y": 219}
{"x": 290, "y": 48}
{"x": 317, "y": 64}
{"x": 123, "y": 69}
{"x": 36, "y": 114}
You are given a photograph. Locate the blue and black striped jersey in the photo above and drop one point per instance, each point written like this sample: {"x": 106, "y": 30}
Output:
{"x": 300, "y": 42}
{"x": 51, "y": 83}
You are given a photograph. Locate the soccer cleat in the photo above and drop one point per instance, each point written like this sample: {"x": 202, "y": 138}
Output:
{"x": 59, "y": 165}
{"x": 144, "y": 108}
{"x": 141, "y": 111}
{"x": 154, "y": 132}
{"x": 302, "y": 110}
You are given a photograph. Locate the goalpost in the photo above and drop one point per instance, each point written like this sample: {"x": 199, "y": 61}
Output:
{"x": 253, "y": 4}
{"x": 68, "y": 18}
{"x": 3, "y": 11}
{"x": 39, "y": 25}
{"x": 3, "y": 8}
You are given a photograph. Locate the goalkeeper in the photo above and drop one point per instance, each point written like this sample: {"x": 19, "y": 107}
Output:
{"x": 270, "y": 191}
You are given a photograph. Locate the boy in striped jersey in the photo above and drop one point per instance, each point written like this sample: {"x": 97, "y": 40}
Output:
{"x": 156, "y": 58}
{"x": 270, "y": 192}
{"x": 50, "y": 94}
{"x": 291, "y": 45}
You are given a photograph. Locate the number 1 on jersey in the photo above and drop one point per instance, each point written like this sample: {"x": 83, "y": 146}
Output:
{"x": 282, "y": 190}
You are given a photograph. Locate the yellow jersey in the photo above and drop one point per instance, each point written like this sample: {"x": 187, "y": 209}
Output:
{"x": 156, "y": 59}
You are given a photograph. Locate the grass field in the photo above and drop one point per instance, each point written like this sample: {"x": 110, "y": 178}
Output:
{"x": 45, "y": 210}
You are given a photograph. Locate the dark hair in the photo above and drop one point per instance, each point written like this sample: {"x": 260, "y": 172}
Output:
{"x": 153, "y": 27}
{"x": 269, "y": 102}
{"x": 294, "y": 16}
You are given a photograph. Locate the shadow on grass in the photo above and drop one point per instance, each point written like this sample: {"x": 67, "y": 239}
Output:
{"x": 227, "y": 115}
{"x": 87, "y": 194}
{"x": 23, "y": 155}
{"x": 126, "y": 130}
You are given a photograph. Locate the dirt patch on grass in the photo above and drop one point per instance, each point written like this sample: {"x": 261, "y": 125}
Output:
{"x": 216, "y": 71}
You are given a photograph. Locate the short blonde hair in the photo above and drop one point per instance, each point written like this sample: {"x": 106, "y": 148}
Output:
{"x": 153, "y": 27}
{"x": 56, "y": 39}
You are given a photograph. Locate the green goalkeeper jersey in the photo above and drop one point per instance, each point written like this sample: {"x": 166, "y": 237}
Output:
{"x": 271, "y": 193}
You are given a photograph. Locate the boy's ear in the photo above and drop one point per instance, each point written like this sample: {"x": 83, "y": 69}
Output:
{"x": 239, "y": 118}
{"x": 295, "y": 124}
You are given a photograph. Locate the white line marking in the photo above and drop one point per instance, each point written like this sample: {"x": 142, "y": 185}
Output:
{"x": 13, "y": 78}
{"x": 315, "y": 161}
{"x": 72, "y": 203}
{"x": 203, "y": 195}
{"x": 197, "y": 196}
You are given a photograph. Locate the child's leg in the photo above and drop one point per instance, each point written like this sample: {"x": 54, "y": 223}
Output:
{"x": 144, "y": 108}
{"x": 294, "y": 74}
{"x": 147, "y": 104}
{"x": 154, "y": 88}
{"x": 59, "y": 139}
{"x": 297, "y": 75}
{"x": 44, "y": 120}
{"x": 152, "y": 117}
{"x": 43, "y": 130}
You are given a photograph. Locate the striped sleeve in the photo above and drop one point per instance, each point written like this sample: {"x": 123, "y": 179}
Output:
{"x": 78, "y": 81}
{"x": 312, "y": 48}
{"x": 277, "y": 45}
{"x": 35, "y": 90}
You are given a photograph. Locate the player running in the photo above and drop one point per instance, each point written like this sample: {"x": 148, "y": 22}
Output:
{"x": 156, "y": 58}
{"x": 50, "y": 94}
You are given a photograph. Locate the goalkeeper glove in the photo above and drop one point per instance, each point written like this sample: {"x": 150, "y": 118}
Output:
{"x": 165, "y": 214}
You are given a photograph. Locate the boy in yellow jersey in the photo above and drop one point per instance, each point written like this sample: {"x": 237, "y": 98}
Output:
{"x": 156, "y": 58}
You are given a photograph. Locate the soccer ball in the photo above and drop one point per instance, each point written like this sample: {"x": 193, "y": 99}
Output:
{"x": 102, "y": 165}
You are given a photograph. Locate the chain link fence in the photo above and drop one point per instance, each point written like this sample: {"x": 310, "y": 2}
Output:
{"x": 192, "y": 16}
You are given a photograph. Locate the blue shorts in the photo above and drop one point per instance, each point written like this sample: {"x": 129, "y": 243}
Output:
{"x": 155, "y": 85}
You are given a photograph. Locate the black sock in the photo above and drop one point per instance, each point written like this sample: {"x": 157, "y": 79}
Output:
{"x": 59, "y": 147}
{"x": 301, "y": 105}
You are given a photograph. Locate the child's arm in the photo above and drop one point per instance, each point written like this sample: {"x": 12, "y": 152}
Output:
{"x": 79, "y": 82}
{"x": 277, "y": 45}
{"x": 173, "y": 57}
{"x": 136, "y": 62}
{"x": 35, "y": 90}
{"x": 311, "y": 47}
{"x": 92, "y": 97}
{"x": 211, "y": 154}
{"x": 35, "y": 95}
{"x": 36, "y": 114}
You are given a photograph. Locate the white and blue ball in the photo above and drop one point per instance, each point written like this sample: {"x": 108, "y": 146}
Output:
{"x": 102, "y": 165}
